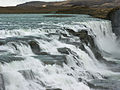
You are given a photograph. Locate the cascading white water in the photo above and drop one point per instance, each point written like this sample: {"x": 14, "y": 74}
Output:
{"x": 79, "y": 67}
{"x": 104, "y": 37}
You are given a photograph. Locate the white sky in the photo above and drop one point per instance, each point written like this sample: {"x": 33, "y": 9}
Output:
{"x": 15, "y": 2}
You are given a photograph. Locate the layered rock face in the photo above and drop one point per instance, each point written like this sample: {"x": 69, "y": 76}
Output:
{"x": 114, "y": 16}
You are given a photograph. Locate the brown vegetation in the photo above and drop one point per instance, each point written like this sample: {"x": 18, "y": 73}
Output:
{"x": 97, "y": 8}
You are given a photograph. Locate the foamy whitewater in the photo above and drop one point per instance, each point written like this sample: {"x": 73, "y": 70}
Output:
{"x": 45, "y": 53}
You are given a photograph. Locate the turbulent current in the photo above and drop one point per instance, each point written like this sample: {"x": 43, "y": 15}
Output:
{"x": 38, "y": 52}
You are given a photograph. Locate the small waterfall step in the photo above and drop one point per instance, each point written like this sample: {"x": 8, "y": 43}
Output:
{"x": 10, "y": 58}
{"x": 28, "y": 74}
{"x": 24, "y": 38}
{"x": 104, "y": 84}
{"x": 52, "y": 59}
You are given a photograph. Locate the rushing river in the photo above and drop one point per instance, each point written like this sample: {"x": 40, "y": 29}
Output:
{"x": 58, "y": 53}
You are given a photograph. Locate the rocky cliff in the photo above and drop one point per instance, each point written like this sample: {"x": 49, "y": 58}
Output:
{"x": 114, "y": 16}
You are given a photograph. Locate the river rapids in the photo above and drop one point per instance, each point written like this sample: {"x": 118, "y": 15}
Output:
{"x": 58, "y": 53}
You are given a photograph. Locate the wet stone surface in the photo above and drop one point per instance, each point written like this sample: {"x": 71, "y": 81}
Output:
{"x": 52, "y": 59}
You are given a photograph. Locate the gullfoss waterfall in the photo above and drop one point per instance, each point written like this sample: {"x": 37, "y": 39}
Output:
{"x": 54, "y": 53}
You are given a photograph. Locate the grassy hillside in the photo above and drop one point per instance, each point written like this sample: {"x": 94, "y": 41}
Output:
{"x": 96, "y": 8}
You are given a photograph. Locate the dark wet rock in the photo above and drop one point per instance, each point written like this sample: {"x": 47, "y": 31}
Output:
{"x": 82, "y": 47}
{"x": 83, "y": 35}
{"x": 28, "y": 74}
{"x": 85, "y": 38}
{"x": 35, "y": 47}
{"x": 52, "y": 59}
{"x": 2, "y": 42}
{"x": 14, "y": 46}
{"x": 43, "y": 53}
{"x": 114, "y": 16}
{"x": 69, "y": 74}
{"x": 2, "y": 84}
{"x": 64, "y": 50}
{"x": 80, "y": 79}
{"x": 65, "y": 35}
{"x": 72, "y": 68}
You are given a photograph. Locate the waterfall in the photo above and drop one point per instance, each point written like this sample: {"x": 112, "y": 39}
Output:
{"x": 59, "y": 55}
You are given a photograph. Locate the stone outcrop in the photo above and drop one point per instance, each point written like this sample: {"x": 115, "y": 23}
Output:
{"x": 114, "y": 16}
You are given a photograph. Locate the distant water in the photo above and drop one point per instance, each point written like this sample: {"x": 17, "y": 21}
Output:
{"x": 58, "y": 53}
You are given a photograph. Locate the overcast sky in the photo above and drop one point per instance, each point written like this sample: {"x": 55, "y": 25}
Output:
{"x": 15, "y": 2}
